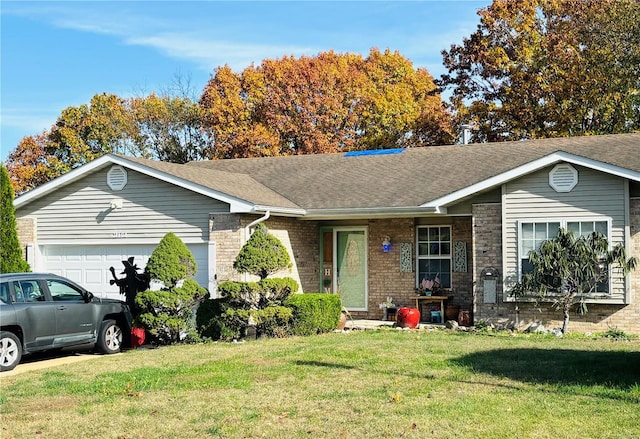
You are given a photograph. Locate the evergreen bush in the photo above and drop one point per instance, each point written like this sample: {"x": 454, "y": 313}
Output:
{"x": 11, "y": 259}
{"x": 244, "y": 303}
{"x": 168, "y": 315}
{"x": 262, "y": 255}
{"x": 314, "y": 313}
{"x": 171, "y": 261}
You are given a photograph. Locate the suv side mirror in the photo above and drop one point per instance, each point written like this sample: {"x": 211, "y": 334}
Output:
{"x": 88, "y": 296}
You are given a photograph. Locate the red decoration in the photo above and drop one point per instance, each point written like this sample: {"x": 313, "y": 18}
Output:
{"x": 137, "y": 337}
{"x": 408, "y": 318}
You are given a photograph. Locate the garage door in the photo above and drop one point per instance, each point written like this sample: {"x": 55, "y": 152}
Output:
{"x": 89, "y": 265}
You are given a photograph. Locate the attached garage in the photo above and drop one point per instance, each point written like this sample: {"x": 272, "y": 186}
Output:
{"x": 89, "y": 264}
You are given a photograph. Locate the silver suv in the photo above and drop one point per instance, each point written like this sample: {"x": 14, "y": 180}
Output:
{"x": 41, "y": 311}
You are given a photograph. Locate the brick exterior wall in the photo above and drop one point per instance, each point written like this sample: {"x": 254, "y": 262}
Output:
{"x": 487, "y": 253}
{"x": 462, "y": 282}
{"x": 26, "y": 229}
{"x": 385, "y": 278}
{"x": 299, "y": 237}
{"x": 487, "y": 249}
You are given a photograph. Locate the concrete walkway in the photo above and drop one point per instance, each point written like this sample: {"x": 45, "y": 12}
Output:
{"x": 375, "y": 324}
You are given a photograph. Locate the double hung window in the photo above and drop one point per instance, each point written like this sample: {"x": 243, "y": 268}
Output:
{"x": 433, "y": 257}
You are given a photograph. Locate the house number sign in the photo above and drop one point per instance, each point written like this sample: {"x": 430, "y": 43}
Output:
{"x": 118, "y": 234}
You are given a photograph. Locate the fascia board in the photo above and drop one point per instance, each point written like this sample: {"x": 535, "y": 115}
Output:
{"x": 236, "y": 205}
{"x": 58, "y": 182}
{"x": 281, "y": 211}
{"x": 527, "y": 168}
{"x": 377, "y": 212}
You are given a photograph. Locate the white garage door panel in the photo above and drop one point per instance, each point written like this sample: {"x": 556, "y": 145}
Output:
{"x": 89, "y": 265}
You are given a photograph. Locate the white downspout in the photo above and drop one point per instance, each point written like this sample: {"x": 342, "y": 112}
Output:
{"x": 247, "y": 229}
{"x": 247, "y": 232}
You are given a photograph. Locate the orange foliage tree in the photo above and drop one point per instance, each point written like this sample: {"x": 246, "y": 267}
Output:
{"x": 548, "y": 68}
{"x": 29, "y": 165}
{"x": 322, "y": 104}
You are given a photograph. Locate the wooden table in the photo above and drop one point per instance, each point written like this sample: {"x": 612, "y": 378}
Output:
{"x": 420, "y": 300}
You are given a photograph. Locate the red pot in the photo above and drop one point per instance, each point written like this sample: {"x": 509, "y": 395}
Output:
{"x": 408, "y": 318}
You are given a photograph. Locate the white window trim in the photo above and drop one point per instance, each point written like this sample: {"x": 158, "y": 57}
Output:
{"x": 419, "y": 258}
{"x": 563, "y": 224}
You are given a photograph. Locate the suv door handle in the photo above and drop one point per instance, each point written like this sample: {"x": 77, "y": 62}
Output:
{"x": 61, "y": 308}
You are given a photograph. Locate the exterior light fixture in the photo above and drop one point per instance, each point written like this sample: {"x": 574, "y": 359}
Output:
{"x": 386, "y": 244}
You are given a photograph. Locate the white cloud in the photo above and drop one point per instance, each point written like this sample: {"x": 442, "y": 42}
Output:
{"x": 209, "y": 53}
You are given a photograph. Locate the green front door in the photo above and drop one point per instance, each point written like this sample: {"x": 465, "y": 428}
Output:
{"x": 350, "y": 266}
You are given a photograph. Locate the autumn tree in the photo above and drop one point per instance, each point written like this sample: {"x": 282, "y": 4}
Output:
{"x": 29, "y": 165}
{"x": 11, "y": 259}
{"x": 164, "y": 127}
{"x": 82, "y": 134}
{"x": 327, "y": 103}
{"x": 548, "y": 68}
{"x": 168, "y": 128}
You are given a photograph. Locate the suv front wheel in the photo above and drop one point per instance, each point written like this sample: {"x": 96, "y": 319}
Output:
{"x": 110, "y": 337}
{"x": 10, "y": 351}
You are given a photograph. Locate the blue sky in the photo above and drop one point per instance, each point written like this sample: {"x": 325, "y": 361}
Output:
{"x": 59, "y": 54}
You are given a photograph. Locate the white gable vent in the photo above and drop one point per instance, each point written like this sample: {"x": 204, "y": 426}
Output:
{"x": 563, "y": 178}
{"x": 117, "y": 178}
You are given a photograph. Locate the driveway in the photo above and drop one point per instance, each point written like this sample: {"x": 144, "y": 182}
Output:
{"x": 46, "y": 360}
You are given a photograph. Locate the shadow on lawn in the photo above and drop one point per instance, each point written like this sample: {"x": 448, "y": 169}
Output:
{"x": 617, "y": 370}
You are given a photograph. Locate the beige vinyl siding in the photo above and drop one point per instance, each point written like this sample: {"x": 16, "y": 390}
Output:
{"x": 596, "y": 196}
{"x": 80, "y": 212}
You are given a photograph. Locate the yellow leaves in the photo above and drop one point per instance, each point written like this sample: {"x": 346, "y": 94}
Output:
{"x": 325, "y": 103}
{"x": 534, "y": 67}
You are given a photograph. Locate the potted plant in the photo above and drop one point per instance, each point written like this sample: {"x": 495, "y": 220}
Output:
{"x": 429, "y": 287}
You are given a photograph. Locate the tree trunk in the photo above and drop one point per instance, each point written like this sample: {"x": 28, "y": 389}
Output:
{"x": 565, "y": 318}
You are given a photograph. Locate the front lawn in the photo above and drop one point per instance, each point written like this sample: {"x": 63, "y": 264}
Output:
{"x": 370, "y": 384}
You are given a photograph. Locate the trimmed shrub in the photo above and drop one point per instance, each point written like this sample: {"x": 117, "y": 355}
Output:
{"x": 251, "y": 303}
{"x": 168, "y": 316}
{"x": 262, "y": 255}
{"x": 314, "y": 313}
{"x": 272, "y": 321}
{"x": 171, "y": 261}
{"x": 244, "y": 303}
{"x": 210, "y": 321}
{"x": 278, "y": 289}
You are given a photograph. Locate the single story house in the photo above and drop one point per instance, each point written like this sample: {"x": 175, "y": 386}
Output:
{"x": 366, "y": 224}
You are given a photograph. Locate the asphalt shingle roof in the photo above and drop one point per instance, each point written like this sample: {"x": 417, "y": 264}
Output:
{"x": 407, "y": 179}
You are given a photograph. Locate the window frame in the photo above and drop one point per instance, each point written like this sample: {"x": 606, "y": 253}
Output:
{"x": 57, "y": 296}
{"x": 448, "y": 257}
{"x": 563, "y": 223}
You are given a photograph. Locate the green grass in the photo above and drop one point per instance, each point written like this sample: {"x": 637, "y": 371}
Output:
{"x": 371, "y": 384}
